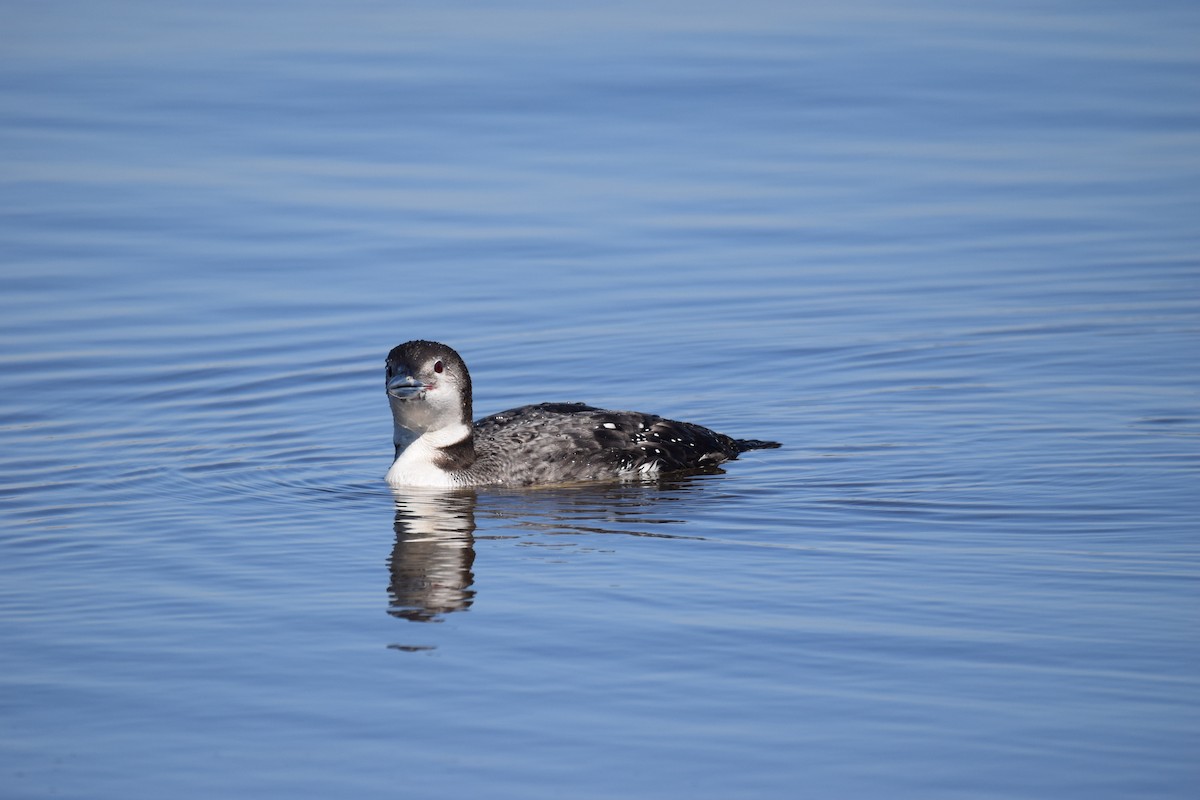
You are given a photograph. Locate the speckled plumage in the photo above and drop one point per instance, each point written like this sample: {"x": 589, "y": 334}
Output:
{"x": 547, "y": 443}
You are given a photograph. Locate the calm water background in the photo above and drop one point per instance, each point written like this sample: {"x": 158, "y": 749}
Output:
{"x": 947, "y": 254}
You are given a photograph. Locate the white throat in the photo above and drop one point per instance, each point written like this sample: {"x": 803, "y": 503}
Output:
{"x": 415, "y": 465}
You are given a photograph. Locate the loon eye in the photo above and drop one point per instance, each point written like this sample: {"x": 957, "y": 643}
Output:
{"x": 437, "y": 366}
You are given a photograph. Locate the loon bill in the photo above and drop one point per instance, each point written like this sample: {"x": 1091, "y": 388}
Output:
{"x": 429, "y": 390}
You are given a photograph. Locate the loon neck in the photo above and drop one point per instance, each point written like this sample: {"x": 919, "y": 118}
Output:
{"x": 433, "y": 458}
{"x": 454, "y": 447}
{"x": 449, "y": 436}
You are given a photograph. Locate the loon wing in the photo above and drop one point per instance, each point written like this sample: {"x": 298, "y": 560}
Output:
{"x": 560, "y": 442}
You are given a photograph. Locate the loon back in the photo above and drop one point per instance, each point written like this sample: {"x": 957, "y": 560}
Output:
{"x": 429, "y": 390}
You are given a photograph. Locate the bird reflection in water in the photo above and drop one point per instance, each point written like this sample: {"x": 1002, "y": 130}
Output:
{"x": 434, "y": 552}
{"x": 431, "y": 560}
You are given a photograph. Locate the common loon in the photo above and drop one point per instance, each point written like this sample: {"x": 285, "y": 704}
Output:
{"x": 429, "y": 390}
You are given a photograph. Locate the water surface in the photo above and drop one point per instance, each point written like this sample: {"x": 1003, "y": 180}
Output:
{"x": 947, "y": 256}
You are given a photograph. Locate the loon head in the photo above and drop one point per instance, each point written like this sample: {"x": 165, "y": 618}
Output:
{"x": 429, "y": 389}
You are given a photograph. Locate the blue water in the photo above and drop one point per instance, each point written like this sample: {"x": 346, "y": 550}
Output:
{"x": 948, "y": 255}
